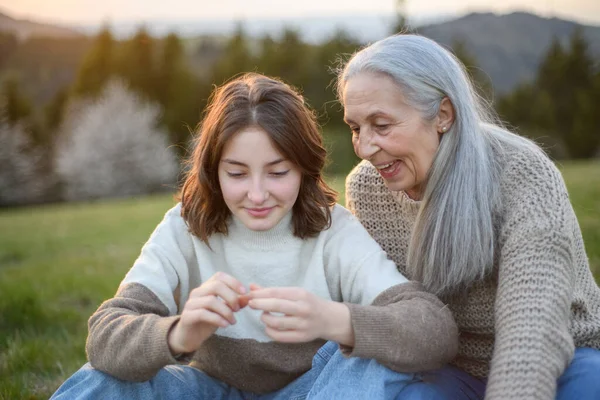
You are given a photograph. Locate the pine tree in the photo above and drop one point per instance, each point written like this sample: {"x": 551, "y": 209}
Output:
{"x": 480, "y": 79}
{"x": 237, "y": 58}
{"x": 136, "y": 63}
{"x": 177, "y": 91}
{"x": 17, "y": 106}
{"x": 98, "y": 65}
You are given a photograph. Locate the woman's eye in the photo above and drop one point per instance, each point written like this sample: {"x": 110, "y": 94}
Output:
{"x": 381, "y": 126}
{"x": 235, "y": 174}
{"x": 355, "y": 130}
{"x": 281, "y": 173}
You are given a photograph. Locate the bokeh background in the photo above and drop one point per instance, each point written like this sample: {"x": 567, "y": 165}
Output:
{"x": 99, "y": 101}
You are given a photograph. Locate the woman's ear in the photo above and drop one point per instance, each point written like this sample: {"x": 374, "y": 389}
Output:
{"x": 445, "y": 116}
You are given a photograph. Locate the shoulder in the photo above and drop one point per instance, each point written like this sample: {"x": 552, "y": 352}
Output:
{"x": 362, "y": 177}
{"x": 344, "y": 224}
{"x": 365, "y": 188}
{"x": 342, "y": 219}
{"x": 528, "y": 171}
{"x": 347, "y": 235}
{"x": 533, "y": 194}
{"x": 173, "y": 227}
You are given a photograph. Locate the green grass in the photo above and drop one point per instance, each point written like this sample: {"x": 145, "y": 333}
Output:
{"x": 59, "y": 262}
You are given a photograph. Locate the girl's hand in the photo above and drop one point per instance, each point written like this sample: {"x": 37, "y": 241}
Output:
{"x": 305, "y": 316}
{"x": 209, "y": 307}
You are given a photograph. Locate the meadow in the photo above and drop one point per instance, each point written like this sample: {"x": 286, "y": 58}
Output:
{"x": 59, "y": 262}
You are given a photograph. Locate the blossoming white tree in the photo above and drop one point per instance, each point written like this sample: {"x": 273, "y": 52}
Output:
{"x": 112, "y": 147}
{"x": 19, "y": 183}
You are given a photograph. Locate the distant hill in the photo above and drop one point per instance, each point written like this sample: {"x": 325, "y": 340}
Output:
{"x": 23, "y": 29}
{"x": 508, "y": 48}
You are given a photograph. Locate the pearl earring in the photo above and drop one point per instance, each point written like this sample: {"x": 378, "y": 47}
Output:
{"x": 444, "y": 129}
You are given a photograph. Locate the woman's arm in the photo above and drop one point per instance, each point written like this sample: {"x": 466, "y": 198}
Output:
{"x": 127, "y": 335}
{"x": 533, "y": 345}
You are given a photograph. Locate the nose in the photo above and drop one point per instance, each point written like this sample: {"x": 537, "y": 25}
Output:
{"x": 365, "y": 145}
{"x": 258, "y": 193}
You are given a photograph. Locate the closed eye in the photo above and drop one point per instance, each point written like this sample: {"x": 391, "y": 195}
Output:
{"x": 235, "y": 174}
{"x": 281, "y": 173}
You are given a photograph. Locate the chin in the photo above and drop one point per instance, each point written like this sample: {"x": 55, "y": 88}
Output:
{"x": 395, "y": 186}
{"x": 259, "y": 225}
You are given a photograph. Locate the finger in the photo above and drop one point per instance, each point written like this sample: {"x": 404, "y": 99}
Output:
{"x": 287, "y": 336}
{"x": 202, "y": 315}
{"x": 254, "y": 286}
{"x": 287, "y": 307}
{"x": 289, "y": 293}
{"x": 243, "y": 300}
{"x": 230, "y": 281}
{"x": 222, "y": 290}
{"x": 283, "y": 323}
{"x": 213, "y": 304}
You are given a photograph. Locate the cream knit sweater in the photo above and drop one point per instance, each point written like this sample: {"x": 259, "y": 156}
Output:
{"x": 520, "y": 325}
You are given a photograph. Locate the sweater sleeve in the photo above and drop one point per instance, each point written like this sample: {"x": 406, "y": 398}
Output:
{"x": 127, "y": 335}
{"x": 405, "y": 328}
{"x": 394, "y": 321}
{"x": 533, "y": 345}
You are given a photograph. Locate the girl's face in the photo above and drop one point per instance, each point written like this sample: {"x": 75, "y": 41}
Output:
{"x": 389, "y": 133}
{"x": 258, "y": 184}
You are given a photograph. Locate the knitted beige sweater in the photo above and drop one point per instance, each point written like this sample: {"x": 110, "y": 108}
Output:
{"x": 520, "y": 325}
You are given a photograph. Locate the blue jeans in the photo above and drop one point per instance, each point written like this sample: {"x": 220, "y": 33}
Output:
{"x": 331, "y": 377}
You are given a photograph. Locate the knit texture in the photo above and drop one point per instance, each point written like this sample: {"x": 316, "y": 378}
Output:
{"x": 128, "y": 333}
{"x": 519, "y": 326}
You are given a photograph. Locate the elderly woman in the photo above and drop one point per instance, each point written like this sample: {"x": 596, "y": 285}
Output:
{"x": 477, "y": 214}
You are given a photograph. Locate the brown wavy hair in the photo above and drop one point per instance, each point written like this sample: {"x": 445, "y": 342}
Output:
{"x": 247, "y": 101}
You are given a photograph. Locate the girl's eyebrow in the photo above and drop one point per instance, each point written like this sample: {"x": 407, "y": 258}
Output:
{"x": 235, "y": 162}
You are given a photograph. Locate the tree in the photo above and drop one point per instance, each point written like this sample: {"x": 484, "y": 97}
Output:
{"x": 8, "y": 45}
{"x": 111, "y": 147}
{"x": 580, "y": 139}
{"x": 20, "y": 182}
{"x": 562, "y": 101}
{"x": 136, "y": 63}
{"x": 98, "y": 65}
{"x": 236, "y": 58}
{"x": 17, "y": 107}
{"x": 480, "y": 79}
{"x": 177, "y": 91}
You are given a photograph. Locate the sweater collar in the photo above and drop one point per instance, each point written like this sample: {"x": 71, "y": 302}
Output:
{"x": 410, "y": 204}
{"x": 279, "y": 235}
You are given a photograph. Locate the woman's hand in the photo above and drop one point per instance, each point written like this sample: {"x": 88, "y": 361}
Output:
{"x": 209, "y": 307}
{"x": 305, "y": 316}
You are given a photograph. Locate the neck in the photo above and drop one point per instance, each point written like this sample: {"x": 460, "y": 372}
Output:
{"x": 280, "y": 234}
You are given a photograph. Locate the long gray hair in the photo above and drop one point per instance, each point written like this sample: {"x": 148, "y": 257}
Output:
{"x": 452, "y": 243}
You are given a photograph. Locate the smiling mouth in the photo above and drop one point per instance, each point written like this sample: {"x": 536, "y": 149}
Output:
{"x": 388, "y": 170}
{"x": 386, "y": 167}
{"x": 259, "y": 212}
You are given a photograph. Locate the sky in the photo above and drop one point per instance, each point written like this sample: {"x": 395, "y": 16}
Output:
{"x": 95, "y": 11}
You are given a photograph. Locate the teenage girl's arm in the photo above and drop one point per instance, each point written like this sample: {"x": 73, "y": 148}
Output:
{"x": 383, "y": 316}
{"x": 138, "y": 331}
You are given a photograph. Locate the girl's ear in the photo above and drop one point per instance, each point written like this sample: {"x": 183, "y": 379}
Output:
{"x": 445, "y": 116}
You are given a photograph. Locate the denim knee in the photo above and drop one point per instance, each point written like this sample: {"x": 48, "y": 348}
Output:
{"x": 581, "y": 380}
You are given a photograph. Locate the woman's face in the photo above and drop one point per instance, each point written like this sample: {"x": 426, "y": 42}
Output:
{"x": 389, "y": 133}
{"x": 258, "y": 184}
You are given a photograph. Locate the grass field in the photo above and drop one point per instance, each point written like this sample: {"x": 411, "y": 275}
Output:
{"x": 58, "y": 262}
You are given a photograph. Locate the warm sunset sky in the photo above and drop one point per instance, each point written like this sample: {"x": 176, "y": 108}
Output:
{"x": 93, "y": 11}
